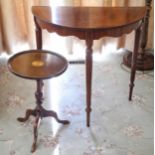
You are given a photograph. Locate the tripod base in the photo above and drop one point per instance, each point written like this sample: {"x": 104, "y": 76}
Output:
{"x": 39, "y": 113}
{"x": 147, "y": 63}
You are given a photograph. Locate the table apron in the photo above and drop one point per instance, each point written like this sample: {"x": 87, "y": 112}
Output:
{"x": 96, "y": 33}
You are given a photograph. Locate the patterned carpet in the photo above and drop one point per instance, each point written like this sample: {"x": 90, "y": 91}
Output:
{"x": 118, "y": 127}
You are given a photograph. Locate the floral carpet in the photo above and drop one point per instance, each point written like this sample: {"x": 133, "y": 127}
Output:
{"x": 118, "y": 127}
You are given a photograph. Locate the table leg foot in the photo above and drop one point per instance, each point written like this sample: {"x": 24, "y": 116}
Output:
{"x": 88, "y": 120}
{"x": 50, "y": 113}
{"x": 27, "y": 115}
{"x": 130, "y": 91}
{"x": 33, "y": 149}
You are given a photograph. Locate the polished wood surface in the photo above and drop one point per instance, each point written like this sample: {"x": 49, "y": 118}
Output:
{"x": 37, "y": 64}
{"x": 90, "y": 23}
{"x": 77, "y": 21}
{"x": 89, "y": 17}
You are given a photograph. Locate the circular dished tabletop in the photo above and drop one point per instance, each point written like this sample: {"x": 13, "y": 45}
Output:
{"x": 37, "y": 64}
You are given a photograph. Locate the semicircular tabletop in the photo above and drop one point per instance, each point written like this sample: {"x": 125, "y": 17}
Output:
{"x": 89, "y": 17}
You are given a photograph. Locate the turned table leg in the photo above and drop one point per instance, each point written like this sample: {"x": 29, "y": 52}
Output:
{"x": 38, "y": 34}
{"x": 134, "y": 60}
{"x": 89, "y": 44}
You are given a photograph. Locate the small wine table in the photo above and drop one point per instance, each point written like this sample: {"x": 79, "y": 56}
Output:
{"x": 38, "y": 65}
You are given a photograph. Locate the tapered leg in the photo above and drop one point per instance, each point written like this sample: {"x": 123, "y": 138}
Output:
{"x": 35, "y": 131}
{"x": 38, "y": 34}
{"x": 89, "y": 44}
{"x": 133, "y": 63}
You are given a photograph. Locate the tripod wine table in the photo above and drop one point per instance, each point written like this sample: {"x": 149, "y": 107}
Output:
{"x": 38, "y": 65}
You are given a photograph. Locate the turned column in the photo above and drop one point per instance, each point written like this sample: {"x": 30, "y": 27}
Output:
{"x": 38, "y": 34}
{"x": 89, "y": 50}
{"x": 144, "y": 56}
{"x": 145, "y": 59}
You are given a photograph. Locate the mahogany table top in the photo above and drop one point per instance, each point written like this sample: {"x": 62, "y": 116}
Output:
{"x": 37, "y": 64}
{"x": 89, "y": 17}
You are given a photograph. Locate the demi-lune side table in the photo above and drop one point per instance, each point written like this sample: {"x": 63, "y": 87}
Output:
{"x": 89, "y": 24}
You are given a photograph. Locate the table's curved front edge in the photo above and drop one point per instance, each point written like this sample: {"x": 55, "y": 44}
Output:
{"x": 116, "y": 32}
{"x": 62, "y": 31}
{"x": 81, "y": 33}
